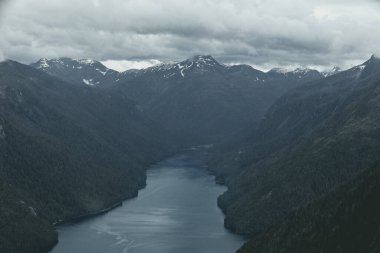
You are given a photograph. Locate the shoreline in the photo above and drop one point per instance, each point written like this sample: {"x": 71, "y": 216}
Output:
{"x": 218, "y": 180}
{"x": 88, "y": 215}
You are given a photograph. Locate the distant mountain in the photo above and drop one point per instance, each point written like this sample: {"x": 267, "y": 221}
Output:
{"x": 198, "y": 64}
{"x": 198, "y": 98}
{"x": 296, "y": 74}
{"x": 333, "y": 71}
{"x": 77, "y": 136}
{"x": 84, "y": 71}
{"x": 207, "y": 101}
{"x": 313, "y": 139}
{"x": 66, "y": 150}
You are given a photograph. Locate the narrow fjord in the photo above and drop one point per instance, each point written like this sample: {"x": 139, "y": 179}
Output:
{"x": 189, "y": 126}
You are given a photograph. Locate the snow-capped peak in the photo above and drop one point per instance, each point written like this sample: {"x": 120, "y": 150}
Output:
{"x": 301, "y": 70}
{"x": 290, "y": 70}
{"x": 69, "y": 63}
{"x": 197, "y": 63}
{"x": 203, "y": 60}
{"x": 86, "y": 71}
{"x": 64, "y": 61}
{"x": 334, "y": 70}
{"x": 86, "y": 61}
{"x": 43, "y": 63}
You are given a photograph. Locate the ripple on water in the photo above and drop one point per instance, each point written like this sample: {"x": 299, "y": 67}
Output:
{"x": 176, "y": 212}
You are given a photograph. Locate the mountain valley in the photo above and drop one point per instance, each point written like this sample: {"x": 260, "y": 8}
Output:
{"x": 76, "y": 138}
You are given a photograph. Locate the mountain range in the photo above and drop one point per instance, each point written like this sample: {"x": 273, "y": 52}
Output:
{"x": 298, "y": 149}
{"x": 198, "y": 98}
{"x": 91, "y": 72}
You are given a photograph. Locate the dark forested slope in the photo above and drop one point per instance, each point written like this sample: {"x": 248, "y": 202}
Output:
{"x": 76, "y": 139}
{"x": 313, "y": 139}
{"x": 65, "y": 150}
{"x": 345, "y": 221}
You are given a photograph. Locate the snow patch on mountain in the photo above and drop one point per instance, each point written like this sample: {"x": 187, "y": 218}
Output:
{"x": 88, "y": 82}
{"x": 301, "y": 71}
{"x": 102, "y": 72}
{"x": 330, "y": 72}
{"x": 44, "y": 63}
{"x": 197, "y": 63}
{"x": 86, "y": 61}
{"x": 183, "y": 68}
{"x": 287, "y": 71}
{"x": 201, "y": 61}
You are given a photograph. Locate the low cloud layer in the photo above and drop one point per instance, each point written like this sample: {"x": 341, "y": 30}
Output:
{"x": 262, "y": 33}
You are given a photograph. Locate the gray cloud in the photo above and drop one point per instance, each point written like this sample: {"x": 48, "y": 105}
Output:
{"x": 261, "y": 33}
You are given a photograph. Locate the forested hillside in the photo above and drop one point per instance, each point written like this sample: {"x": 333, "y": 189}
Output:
{"x": 66, "y": 150}
{"x": 69, "y": 148}
{"x": 347, "y": 220}
{"x": 312, "y": 140}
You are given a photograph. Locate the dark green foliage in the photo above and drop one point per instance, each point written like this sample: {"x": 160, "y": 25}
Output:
{"x": 312, "y": 140}
{"x": 21, "y": 230}
{"x": 345, "y": 221}
{"x": 65, "y": 150}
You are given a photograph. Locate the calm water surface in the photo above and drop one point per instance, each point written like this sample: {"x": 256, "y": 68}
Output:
{"x": 175, "y": 213}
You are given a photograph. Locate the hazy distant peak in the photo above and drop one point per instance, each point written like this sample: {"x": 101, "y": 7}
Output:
{"x": 369, "y": 68}
{"x": 64, "y": 61}
{"x": 334, "y": 70}
{"x": 197, "y": 63}
{"x": 278, "y": 70}
{"x": 43, "y": 63}
{"x": 201, "y": 60}
{"x": 297, "y": 71}
{"x": 302, "y": 70}
{"x": 373, "y": 59}
{"x": 85, "y": 71}
{"x": 374, "y": 56}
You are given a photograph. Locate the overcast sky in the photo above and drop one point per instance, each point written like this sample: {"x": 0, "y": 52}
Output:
{"x": 139, "y": 33}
